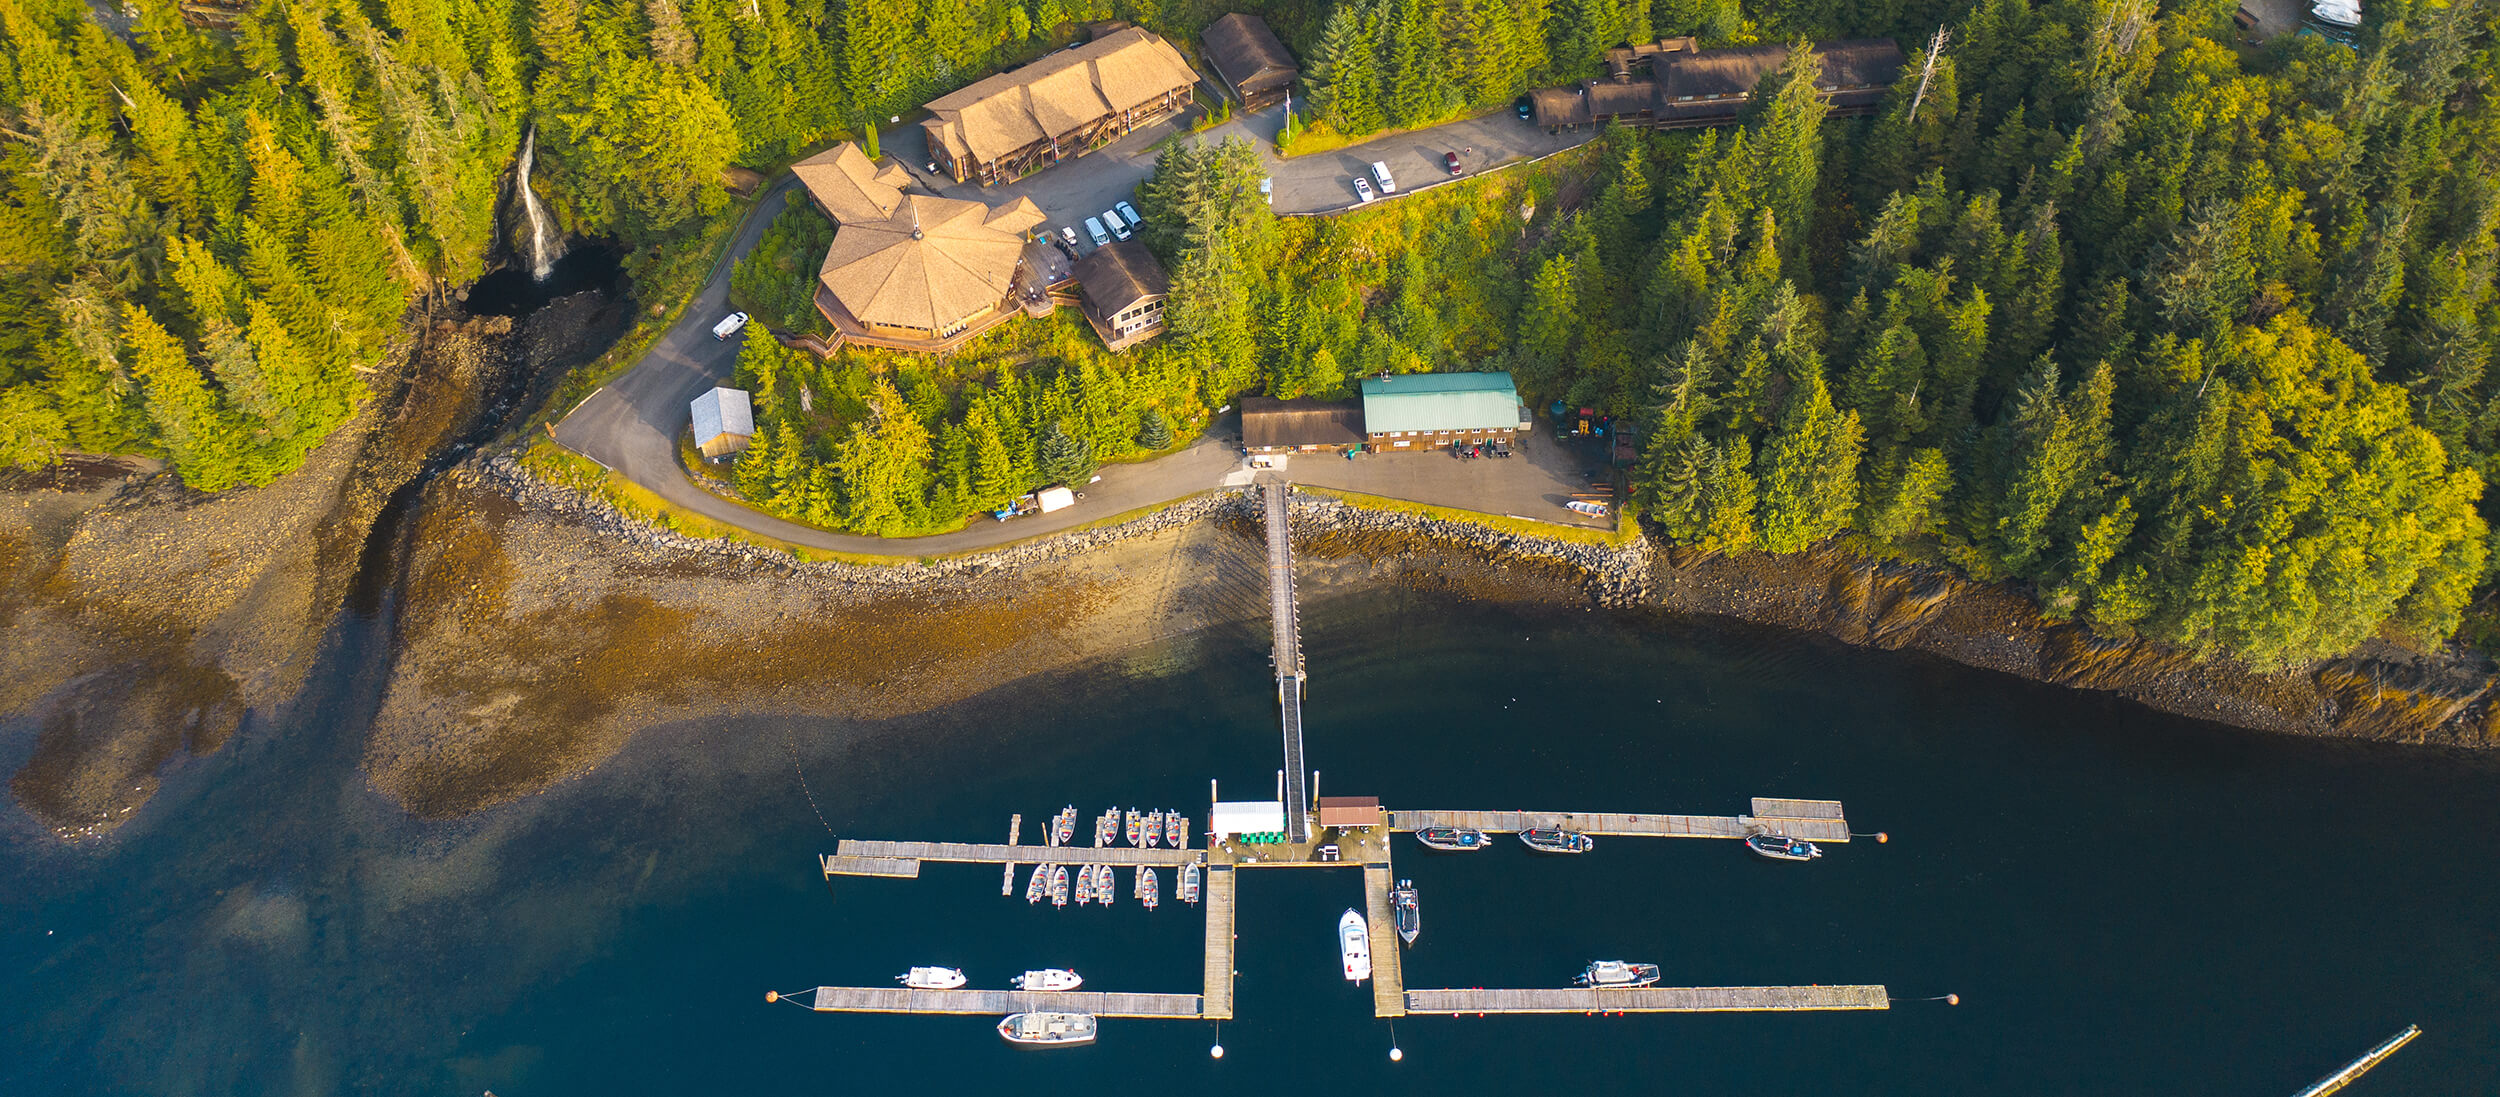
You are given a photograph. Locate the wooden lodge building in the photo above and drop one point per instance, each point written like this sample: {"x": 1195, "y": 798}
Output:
{"x": 1064, "y": 105}
{"x": 1246, "y": 55}
{"x": 1121, "y": 289}
{"x": 1273, "y": 426}
{"x": 1423, "y": 410}
{"x": 1686, "y": 88}
{"x": 912, "y": 271}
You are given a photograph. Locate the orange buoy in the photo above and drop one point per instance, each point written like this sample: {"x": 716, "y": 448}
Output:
{"x": 1881, "y": 837}
{"x": 1953, "y": 999}
{"x": 772, "y": 996}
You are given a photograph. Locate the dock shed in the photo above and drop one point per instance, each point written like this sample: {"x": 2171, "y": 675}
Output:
{"x": 1350, "y": 811}
{"x": 1247, "y": 57}
{"x": 1258, "y": 820}
{"x": 724, "y": 422}
{"x": 1269, "y": 425}
{"x": 1422, "y": 410}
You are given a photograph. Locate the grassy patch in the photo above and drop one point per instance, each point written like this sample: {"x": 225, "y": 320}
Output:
{"x": 1318, "y": 137}
{"x": 1627, "y": 523}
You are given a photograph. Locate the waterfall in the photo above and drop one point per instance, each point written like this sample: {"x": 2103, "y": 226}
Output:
{"x": 542, "y": 251}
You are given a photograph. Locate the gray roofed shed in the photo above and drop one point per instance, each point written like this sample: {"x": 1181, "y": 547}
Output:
{"x": 724, "y": 421}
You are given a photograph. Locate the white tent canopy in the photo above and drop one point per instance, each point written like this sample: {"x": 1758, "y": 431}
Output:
{"x": 1233, "y": 817}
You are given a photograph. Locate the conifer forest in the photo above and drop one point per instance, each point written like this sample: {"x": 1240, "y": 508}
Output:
{"x": 2188, "y": 335}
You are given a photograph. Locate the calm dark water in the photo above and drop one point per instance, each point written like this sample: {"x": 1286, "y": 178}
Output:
{"x": 2127, "y": 903}
{"x": 511, "y": 291}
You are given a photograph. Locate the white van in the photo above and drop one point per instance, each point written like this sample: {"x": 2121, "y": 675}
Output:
{"x": 1093, "y": 228}
{"x": 729, "y": 326}
{"x": 1118, "y": 227}
{"x": 1380, "y": 174}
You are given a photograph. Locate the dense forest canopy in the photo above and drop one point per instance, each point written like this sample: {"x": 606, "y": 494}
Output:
{"x": 2191, "y": 336}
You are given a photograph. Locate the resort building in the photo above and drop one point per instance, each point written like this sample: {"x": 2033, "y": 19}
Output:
{"x": 1063, "y": 105}
{"x": 724, "y": 423}
{"x": 1272, "y": 426}
{"x": 915, "y": 271}
{"x": 1421, "y": 410}
{"x": 1671, "y": 85}
{"x": 1249, "y": 59}
{"x": 1121, "y": 289}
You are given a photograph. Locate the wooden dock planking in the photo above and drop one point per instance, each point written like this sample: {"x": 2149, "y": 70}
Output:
{"x": 1766, "y": 807}
{"x": 1388, "y": 976}
{"x": 1617, "y": 825}
{"x": 1007, "y": 872}
{"x": 1217, "y": 895}
{"x": 999, "y": 1003}
{"x": 986, "y": 854}
{"x": 1649, "y": 1000}
{"x": 838, "y": 865}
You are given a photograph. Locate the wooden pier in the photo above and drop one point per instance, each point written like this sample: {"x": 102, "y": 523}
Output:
{"x": 1284, "y": 615}
{"x": 1812, "y": 820}
{"x": 1007, "y": 872}
{"x": 854, "y": 857}
{"x": 1648, "y": 1000}
{"x": 1388, "y": 977}
{"x": 999, "y": 1003}
{"x": 1217, "y": 896}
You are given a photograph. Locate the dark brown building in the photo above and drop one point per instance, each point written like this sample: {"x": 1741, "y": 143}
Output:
{"x": 1686, "y": 89}
{"x": 1249, "y": 59}
{"x": 1269, "y": 425}
{"x": 1122, "y": 288}
{"x": 1350, "y": 811}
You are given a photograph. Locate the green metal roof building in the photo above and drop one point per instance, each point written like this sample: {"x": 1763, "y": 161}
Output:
{"x": 1427, "y": 408}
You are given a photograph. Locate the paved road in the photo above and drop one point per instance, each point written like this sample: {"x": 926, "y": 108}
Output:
{"x": 632, "y": 424}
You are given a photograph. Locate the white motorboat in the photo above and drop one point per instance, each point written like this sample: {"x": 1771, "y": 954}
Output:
{"x": 1780, "y": 847}
{"x": 1047, "y": 1029}
{"x": 1189, "y": 883}
{"x": 1354, "y": 946}
{"x": 1149, "y": 887}
{"x": 1104, "y": 890}
{"x": 1040, "y": 883}
{"x": 1058, "y": 885}
{"x": 1049, "y": 979}
{"x": 932, "y": 978}
{"x": 1175, "y": 830}
{"x": 1618, "y": 973}
{"x": 1152, "y": 831}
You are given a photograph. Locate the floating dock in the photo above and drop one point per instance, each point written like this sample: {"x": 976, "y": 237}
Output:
{"x": 1648, "y": 1000}
{"x": 999, "y": 1003}
{"x": 1217, "y": 896}
{"x": 1812, "y": 820}
{"x": 854, "y": 857}
{"x": 1388, "y": 976}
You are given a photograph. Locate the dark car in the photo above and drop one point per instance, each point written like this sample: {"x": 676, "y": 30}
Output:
{"x": 1451, "y": 159}
{"x": 1521, "y": 106}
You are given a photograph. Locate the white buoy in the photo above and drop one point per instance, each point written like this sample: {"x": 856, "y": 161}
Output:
{"x": 1396, "y": 1054}
{"x": 1216, "y": 1052}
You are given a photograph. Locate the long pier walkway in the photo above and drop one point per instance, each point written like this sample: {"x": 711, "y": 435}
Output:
{"x": 1218, "y": 1004}
{"x": 999, "y": 1003}
{"x": 1648, "y": 1000}
{"x": 1812, "y": 820}
{"x": 1388, "y": 976}
{"x": 1285, "y": 616}
{"x": 858, "y": 857}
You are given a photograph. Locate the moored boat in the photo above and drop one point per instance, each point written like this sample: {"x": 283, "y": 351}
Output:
{"x": 1047, "y": 1029}
{"x": 1354, "y": 946}
{"x": 1104, "y": 892}
{"x": 1458, "y": 839}
{"x": 932, "y": 978}
{"x": 1107, "y": 828}
{"x": 1557, "y": 840}
{"x": 1405, "y": 911}
{"x": 1058, "y": 885}
{"x": 1149, "y": 887}
{"x": 1175, "y": 830}
{"x": 1780, "y": 847}
{"x": 1049, "y": 979}
{"x": 1084, "y": 884}
{"x": 1189, "y": 883}
{"x": 1152, "y": 832}
{"x": 1040, "y": 883}
{"x": 1135, "y": 823}
{"x": 1064, "y": 827}
{"x": 1617, "y": 973}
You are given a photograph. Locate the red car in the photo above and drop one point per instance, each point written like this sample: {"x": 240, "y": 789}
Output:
{"x": 1451, "y": 159}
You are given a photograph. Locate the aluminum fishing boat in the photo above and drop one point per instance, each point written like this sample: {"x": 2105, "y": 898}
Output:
{"x": 1049, "y": 979}
{"x": 1107, "y": 828}
{"x": 1149, "y": 887}
{"x": 1047, "y": 1029}
{"x": 1189, "y": 883}
{"x": 1555, "y": 840}
{"x": 1780, "y": 847}
{"x": 1458, "y": 839}
{"x": 1058, "y": 885}
{"x": 1040, "y": 883}
{"x": 1136, "y": 823}
{"x": 1152, "y": 832}
{"x": 1063, "y": 828}
{"x": 1354, "y": 946}
{"x": 932, "y": 978}
{"x": 1084, "y": 884}
{"x": 1405, "y": 911}
{"x": 1175, "y": 830}
{"x": 1104, "y": 892}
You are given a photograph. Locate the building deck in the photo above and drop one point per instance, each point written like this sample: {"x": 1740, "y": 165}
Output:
{"x": 999, "y": 1003}
{"x": 1388, "y": 976}
{"x": 1218, "y": 897}
{"x": 1813, "y": 828}
{"x": 1649, "y": 1000}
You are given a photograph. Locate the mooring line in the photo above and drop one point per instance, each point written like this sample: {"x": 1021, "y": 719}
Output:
{"x": 792, "y": 738}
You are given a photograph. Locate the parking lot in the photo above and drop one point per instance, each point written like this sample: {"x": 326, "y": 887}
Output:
{"x": 1534, "y": 482}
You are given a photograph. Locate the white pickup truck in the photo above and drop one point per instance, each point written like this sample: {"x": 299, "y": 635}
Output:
{"x": 729, "y": 325}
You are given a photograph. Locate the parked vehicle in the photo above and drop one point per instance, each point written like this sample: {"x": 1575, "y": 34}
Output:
{"x": 1450, "y": 159}
{"x": 1267, "y": 189}
{"x": 1363, "y": 188}
{"x": 1522, "y": 109}
{"x": 1068, "y": 234}
{"x": 1118, "y": 227}
{"x": 1128, "y": 213}
{"x": 1380, "y": 175}
{"x": 729, "y": 325}
{"x": 1093, "y": 228}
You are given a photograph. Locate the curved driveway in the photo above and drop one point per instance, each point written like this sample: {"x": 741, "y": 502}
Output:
{"x": 631, "y": 425}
